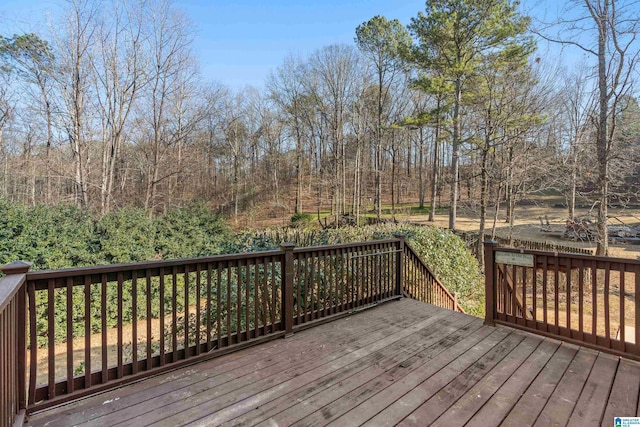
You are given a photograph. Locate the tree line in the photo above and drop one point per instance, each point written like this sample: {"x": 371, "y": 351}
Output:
{"x": 109, "y": 110}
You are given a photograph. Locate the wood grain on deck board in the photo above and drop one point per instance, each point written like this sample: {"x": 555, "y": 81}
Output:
{"x": 401, "y": 362}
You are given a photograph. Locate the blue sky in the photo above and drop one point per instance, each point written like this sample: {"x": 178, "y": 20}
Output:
{"x": 239, "y": 42}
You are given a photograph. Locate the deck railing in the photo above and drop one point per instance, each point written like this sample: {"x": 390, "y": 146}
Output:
{"x": 91, "y": 329}
{"x": 587, "y": 300}
{"x": 13, "y": 344}
{"x": 422, "y": 285}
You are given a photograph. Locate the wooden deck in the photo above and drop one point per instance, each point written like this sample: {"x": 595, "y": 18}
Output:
{"x": 403, "y": 362}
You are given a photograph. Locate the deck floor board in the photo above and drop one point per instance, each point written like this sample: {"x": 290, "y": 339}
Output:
{"x": 400, "y": 363}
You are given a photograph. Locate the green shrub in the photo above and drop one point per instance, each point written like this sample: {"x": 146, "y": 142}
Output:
{"x": 49, "y": 237}
{"x": 301, "y": 220}
{"x": 444, "y": 253}
{"x": 126, "y": 235}
{"x": 190, "y": 232}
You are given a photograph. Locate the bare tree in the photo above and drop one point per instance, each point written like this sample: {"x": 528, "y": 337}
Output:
{"x": 118, "y": 70}
{"x": 169, "y": 66}
{"x": 614, "y": 26}
{"x": 286, "y": 88}
{"x": 73, "y": 84}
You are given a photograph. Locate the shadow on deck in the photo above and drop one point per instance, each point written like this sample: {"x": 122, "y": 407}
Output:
{"x": 403, "y": 362}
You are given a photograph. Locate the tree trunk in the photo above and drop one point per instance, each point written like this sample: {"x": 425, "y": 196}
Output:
{"x": 435, "y": 184}
{"x": 455, "y": 154}
{"x": 421, "y": 169}
{"x": 484, "y": 185}
{"x": 378, "y": 152}
{"x": 603, "y": 161}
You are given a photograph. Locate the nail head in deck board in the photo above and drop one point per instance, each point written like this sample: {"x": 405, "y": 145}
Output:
{"x": 591, "y": 405}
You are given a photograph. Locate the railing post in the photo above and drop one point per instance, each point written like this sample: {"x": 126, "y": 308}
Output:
{"x": 489, "y": 282}
{"x": 455, "y": 301}
{"x": 20, "y": 267}
{"x": 400, "y": 263}
{"x": 287, "y": 288}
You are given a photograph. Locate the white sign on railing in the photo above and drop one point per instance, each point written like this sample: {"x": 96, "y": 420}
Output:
{"x": 512, "y": 258}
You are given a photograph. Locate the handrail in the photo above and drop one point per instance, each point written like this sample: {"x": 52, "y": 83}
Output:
{"x": 425, "y": 286}
{"x": 586, "y": 300}
{"x": 13, "y": 344}
{"x": 128, "y": 267}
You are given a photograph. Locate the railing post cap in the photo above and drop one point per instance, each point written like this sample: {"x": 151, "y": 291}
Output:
{"x": 490, "y": 243}
{"x": 287, "y": 246}
{"x": 16, "y": 267}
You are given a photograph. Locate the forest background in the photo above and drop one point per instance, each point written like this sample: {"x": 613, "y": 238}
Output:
{"x": 108, "y": 112}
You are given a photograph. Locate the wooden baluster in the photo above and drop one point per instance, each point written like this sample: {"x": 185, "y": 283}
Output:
{"x": 274, "y": 295}
{"x": 103, "y": 328}
{"x": 490, "y": 283}
{"x": 264, "y": 294}
{"x": 198, "y": 302}
{"x": 51, "y": 334}
{"x": 174, "y": 314}
{"x": 70, "y": 317}
{"x": 556, "y": 291}
{"x": 134, "y": 320}
{"x": 545, "y": 279}
{"x": 594, "y": 301}
{"x": 247, "y": 304}
{"x": 239, "y": 301}
{"x": 607, "y": 319}
{"x": 149, "y": 320}
{"x": 33, "y": 343}
{"x": 287, "y": 287}
{"x": 622, "y": 300}
{"x": 229, "y": 311}
{"x": 87, "y": 331}
{"x": 313, "y": 281}
{"x": 208, "y": 304}
{"x": 300, "y": 280}
{"x": 219, "y": 304}
{"x": 568, "y": 305}
{"x": 637, "y": 307}
{"x": 186, "y": 312}
{"x": 162, "y": 326}
{"x": 256, "y": 298}
{"x": 581, "y": 299}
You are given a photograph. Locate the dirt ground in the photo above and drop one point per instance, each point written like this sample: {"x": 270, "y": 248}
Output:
{"x": 527, "y": 226}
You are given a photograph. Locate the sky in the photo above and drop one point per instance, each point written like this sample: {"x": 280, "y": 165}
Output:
{"x": 238, "y": 42}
